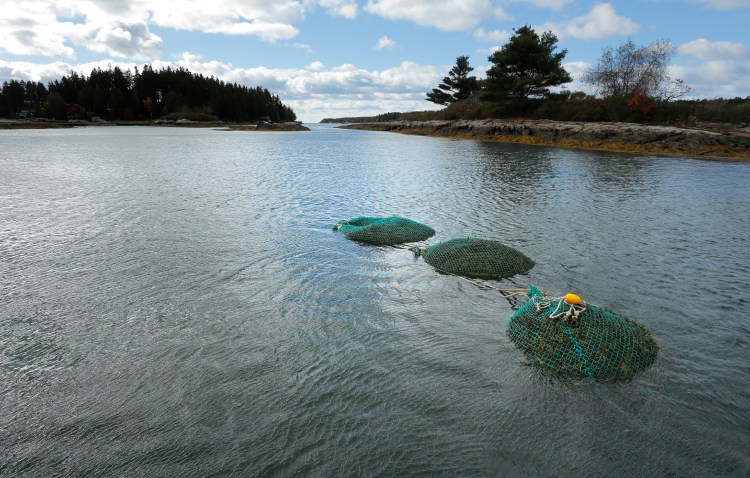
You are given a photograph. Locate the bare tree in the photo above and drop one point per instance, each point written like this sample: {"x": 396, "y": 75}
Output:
{"x": 631, "y": 70}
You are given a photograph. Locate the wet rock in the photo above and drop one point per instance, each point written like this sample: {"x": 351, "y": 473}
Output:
{"x": 611, "y": 136}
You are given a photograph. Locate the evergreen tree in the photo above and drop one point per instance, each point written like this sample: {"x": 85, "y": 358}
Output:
{"x": 457, "y": 86}
{"x": 527, "y": 66}
{"x": 14, "y": 96}
{"x": 148, "y": 93}
{"x": 54, "y": 106}
{"x": 172, "y": 102}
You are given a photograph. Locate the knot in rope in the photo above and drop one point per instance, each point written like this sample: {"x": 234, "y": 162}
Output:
{"x": 568, "y": 308}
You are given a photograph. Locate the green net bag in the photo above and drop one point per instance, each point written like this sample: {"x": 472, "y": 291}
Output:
{"x": 476, "y": 258}
{"x": 384, "y": 231}
{"x": 579, "y": 340}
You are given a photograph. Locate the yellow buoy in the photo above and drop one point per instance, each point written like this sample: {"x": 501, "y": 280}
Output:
{"x": 572, "y": 299}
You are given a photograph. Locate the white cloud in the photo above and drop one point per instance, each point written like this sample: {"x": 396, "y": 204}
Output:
{"x": 601, "y": 22}
{"x": 45, "y": 73}
{"x": 26, "y": 71}
{"x": 346, "y": 79}
{"x": 119, "y": 39}
{"x": 706, "y": 50}
{"x": 31, "y": 28}
{"x": 489, "y": 51}
{"x": 316, "y": 66}
{"x": 502, "y": 16}
{"x": 217, "y": 14}
{"x": 577, "y": 69}
{"x": 724, "y": 4}
{"x": 552, "y": 4}
{"x": 53, "y": 29}
{"x": 444, "y": 15}
{"x": 122, "y": 28}
{"x": 384, "y": 42}
{"x": 300, "y": 46}
{"x": 713, "y": 79}
{"x": 270, "y": 21}
{"x": 264, "y": 30}
{"x": 494, "y": 36}
{"x": 342, "y": 8}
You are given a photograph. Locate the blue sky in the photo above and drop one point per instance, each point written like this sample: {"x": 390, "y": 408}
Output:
{"x": 331, "y": 58}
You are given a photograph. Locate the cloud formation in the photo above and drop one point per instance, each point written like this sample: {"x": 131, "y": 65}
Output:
{"x": 31, "y": 28}
{"x": 706, "y": 50}
{"x": 715, "y": 78}
{"x": 601, "y": 22}
{"x": 342, "y": 8}
{"x": 121, "y": 28}
{"x": 450, "y": 15}
{"x": 494, "y": 36}
{"x": 312, "y": 91}
{"x": 118, "y": 39}
{"x": 384, "y": 42}
{"x": 724, "y": 4}
{"x": 553, "y": 4}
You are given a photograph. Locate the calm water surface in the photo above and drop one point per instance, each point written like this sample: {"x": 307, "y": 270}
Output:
{"x": 174, "y": 303}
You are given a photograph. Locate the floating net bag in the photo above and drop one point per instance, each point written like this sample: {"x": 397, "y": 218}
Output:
{"x": 384, "y": 231}
{"x": 576, "y": 339}
{"x": 476, "y": 258}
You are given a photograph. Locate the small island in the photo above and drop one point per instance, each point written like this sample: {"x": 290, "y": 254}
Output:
{"x": 146, "y": 97}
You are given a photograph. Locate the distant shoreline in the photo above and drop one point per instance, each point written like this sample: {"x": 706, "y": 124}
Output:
{"x": 709, "y": 141}
{"x": 51, "y": 124}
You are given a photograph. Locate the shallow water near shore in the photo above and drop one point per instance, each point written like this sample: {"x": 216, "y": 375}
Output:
{"x": 174, "y": 302}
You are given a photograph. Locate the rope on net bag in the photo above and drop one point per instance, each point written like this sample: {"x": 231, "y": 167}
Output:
{"x": 577, "y": 339}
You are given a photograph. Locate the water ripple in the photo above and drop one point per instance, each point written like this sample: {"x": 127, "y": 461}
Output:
{"x": 184, "y": 308}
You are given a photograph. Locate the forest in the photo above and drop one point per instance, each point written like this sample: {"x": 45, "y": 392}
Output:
{"x": 145, "y": 94}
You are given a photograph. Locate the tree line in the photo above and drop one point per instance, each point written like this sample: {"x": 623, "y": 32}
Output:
{"x": 631, "y": 83}
{"x": 114, "y": 94}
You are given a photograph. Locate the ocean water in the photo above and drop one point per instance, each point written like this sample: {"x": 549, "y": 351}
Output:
{"x": 173, "y": 302}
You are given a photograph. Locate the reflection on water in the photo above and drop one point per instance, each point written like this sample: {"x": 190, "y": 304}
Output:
{"x": 174, "y": 301}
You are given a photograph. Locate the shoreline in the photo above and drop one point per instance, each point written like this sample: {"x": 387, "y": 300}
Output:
{"x": 710, "y": 142}
{"x": 221, "y": 125}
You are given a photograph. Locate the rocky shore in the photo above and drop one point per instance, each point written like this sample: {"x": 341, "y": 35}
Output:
{"x": 706, "y": 141}
{"x": 288, "y": 126}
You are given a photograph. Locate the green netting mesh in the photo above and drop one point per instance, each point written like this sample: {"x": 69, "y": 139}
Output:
{"x": 476, "y": 258}
{"x": 590, "y": 343}
{"x": 384, "y": 231}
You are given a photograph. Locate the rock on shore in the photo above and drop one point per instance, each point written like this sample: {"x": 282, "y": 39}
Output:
{"x": 288, "y": 126}
{"x": 624, "y": 137}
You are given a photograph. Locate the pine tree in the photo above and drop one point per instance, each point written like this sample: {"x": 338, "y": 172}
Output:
{"x": 527, "y": 66}
{"x": 457, "y": 86}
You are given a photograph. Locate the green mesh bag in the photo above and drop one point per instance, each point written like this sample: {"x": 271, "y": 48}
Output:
{"x": 580, "y": 340}
{"x": 476, "y": 258}
{"x": 384, "y": 231}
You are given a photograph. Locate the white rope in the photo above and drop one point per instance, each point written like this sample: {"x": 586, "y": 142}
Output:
{"x": 513, "y": 292}
{"x": 570, "y": 314}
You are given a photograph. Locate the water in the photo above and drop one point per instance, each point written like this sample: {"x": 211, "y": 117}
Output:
{"x": 173, "y": 302}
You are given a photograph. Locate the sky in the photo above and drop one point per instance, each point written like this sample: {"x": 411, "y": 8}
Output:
{"x": 337, "y": 58}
